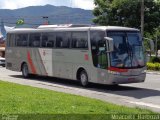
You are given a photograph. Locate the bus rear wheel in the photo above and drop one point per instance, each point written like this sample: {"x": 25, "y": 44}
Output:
{"x": 25, "y": 71}
{"x": 83, "y": 78}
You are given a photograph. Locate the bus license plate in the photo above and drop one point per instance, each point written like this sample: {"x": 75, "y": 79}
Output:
{"x": 131, "y": 79}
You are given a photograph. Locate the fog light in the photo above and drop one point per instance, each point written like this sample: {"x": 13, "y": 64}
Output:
{"x": 144, "y": 71}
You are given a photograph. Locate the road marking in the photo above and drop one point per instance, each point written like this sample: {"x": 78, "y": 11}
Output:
{"x": 145, "y": 104}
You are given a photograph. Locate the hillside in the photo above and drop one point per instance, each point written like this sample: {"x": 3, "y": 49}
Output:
{"x": 33, "y": 15}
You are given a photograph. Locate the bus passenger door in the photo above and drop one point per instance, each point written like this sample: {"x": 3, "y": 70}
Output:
{"x": 102, "y": 60}
{"x": 99, "y": 56}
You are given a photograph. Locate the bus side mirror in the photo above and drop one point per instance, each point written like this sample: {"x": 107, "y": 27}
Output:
{"x": 110, "y": 44}
{"x": 151, "y": 45}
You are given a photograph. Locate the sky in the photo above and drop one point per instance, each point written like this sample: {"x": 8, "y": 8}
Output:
{"x": 14, "y": 4}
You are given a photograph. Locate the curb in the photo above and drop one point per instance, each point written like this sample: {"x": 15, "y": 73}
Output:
{"x": 153, "y": 72}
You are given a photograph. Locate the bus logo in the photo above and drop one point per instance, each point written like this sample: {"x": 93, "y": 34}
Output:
{"x": 86, "y": 57}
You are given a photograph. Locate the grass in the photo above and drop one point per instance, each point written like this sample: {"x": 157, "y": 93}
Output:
{"x": 19, "y": 99}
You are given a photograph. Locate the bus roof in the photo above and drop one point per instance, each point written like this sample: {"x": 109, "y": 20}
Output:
{"x": 114, "y": 28}
{"x": 48, "y": 28}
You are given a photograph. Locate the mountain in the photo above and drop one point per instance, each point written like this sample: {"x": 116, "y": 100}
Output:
{"x": 33, "y": 15}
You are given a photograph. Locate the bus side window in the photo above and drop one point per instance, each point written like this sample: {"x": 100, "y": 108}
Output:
{"x": 49, "y": 44}
{"x": 34, "y": 40}
{"x": 21, "y": 40}
{"x": 12, "y": 41}
{"x": 63, "y": 40}
{"x": 80, "y": 40}
{"x": 44, "y": 40}
{"x": 58, "y": 41}
{"x": 8, "y": 40}
{"x": 48, "y": 40}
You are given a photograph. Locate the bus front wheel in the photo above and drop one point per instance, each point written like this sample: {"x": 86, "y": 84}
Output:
{"x": 25, "y": 71}
{"x": 83, "y": 78}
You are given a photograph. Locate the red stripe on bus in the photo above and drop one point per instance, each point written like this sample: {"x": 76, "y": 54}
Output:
{"x": 117, "y": 69}
{"x": 31, "y": 63}
{"x": 42, "y": 62}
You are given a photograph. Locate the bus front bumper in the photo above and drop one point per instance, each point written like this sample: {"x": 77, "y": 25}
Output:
{"x": 119, "y": 79}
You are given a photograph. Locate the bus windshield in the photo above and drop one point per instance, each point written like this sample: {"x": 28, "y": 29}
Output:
{"x": 128, "y": 50}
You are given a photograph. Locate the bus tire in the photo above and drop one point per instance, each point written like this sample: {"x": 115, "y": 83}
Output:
{"x": 83, "y": 77}
{"x": 3, "y": 65}
{"x": 25, "y": 71}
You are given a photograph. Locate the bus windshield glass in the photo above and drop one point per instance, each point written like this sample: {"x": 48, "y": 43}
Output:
{"x": 128, "y": 50}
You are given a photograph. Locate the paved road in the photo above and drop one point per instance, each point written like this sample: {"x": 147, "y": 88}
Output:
{"x": 145, "y": 95}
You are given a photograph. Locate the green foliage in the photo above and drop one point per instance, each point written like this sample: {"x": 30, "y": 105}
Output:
{"x": 127, "y": 13}
{"x": 157, "y": 36}
{"x": 155, "y": 60}
{"x": 153, "y": 66}
{"x": 20, "y": 22}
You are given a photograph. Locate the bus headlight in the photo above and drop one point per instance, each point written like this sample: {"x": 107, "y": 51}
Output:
{"x": 116, "y": 71}
{"x": 144, "y": 71}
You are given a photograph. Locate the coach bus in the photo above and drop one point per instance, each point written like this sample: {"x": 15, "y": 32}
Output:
{"x": 90, "y": 54}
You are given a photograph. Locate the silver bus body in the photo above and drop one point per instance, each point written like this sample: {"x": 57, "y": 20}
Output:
{"x": 68, "y": 62}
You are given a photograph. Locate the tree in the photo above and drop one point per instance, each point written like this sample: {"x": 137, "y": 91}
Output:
{"x": 127, "y": 13}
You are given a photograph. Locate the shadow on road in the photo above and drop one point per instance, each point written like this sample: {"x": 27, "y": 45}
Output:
{"x": 122, "y": 90}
